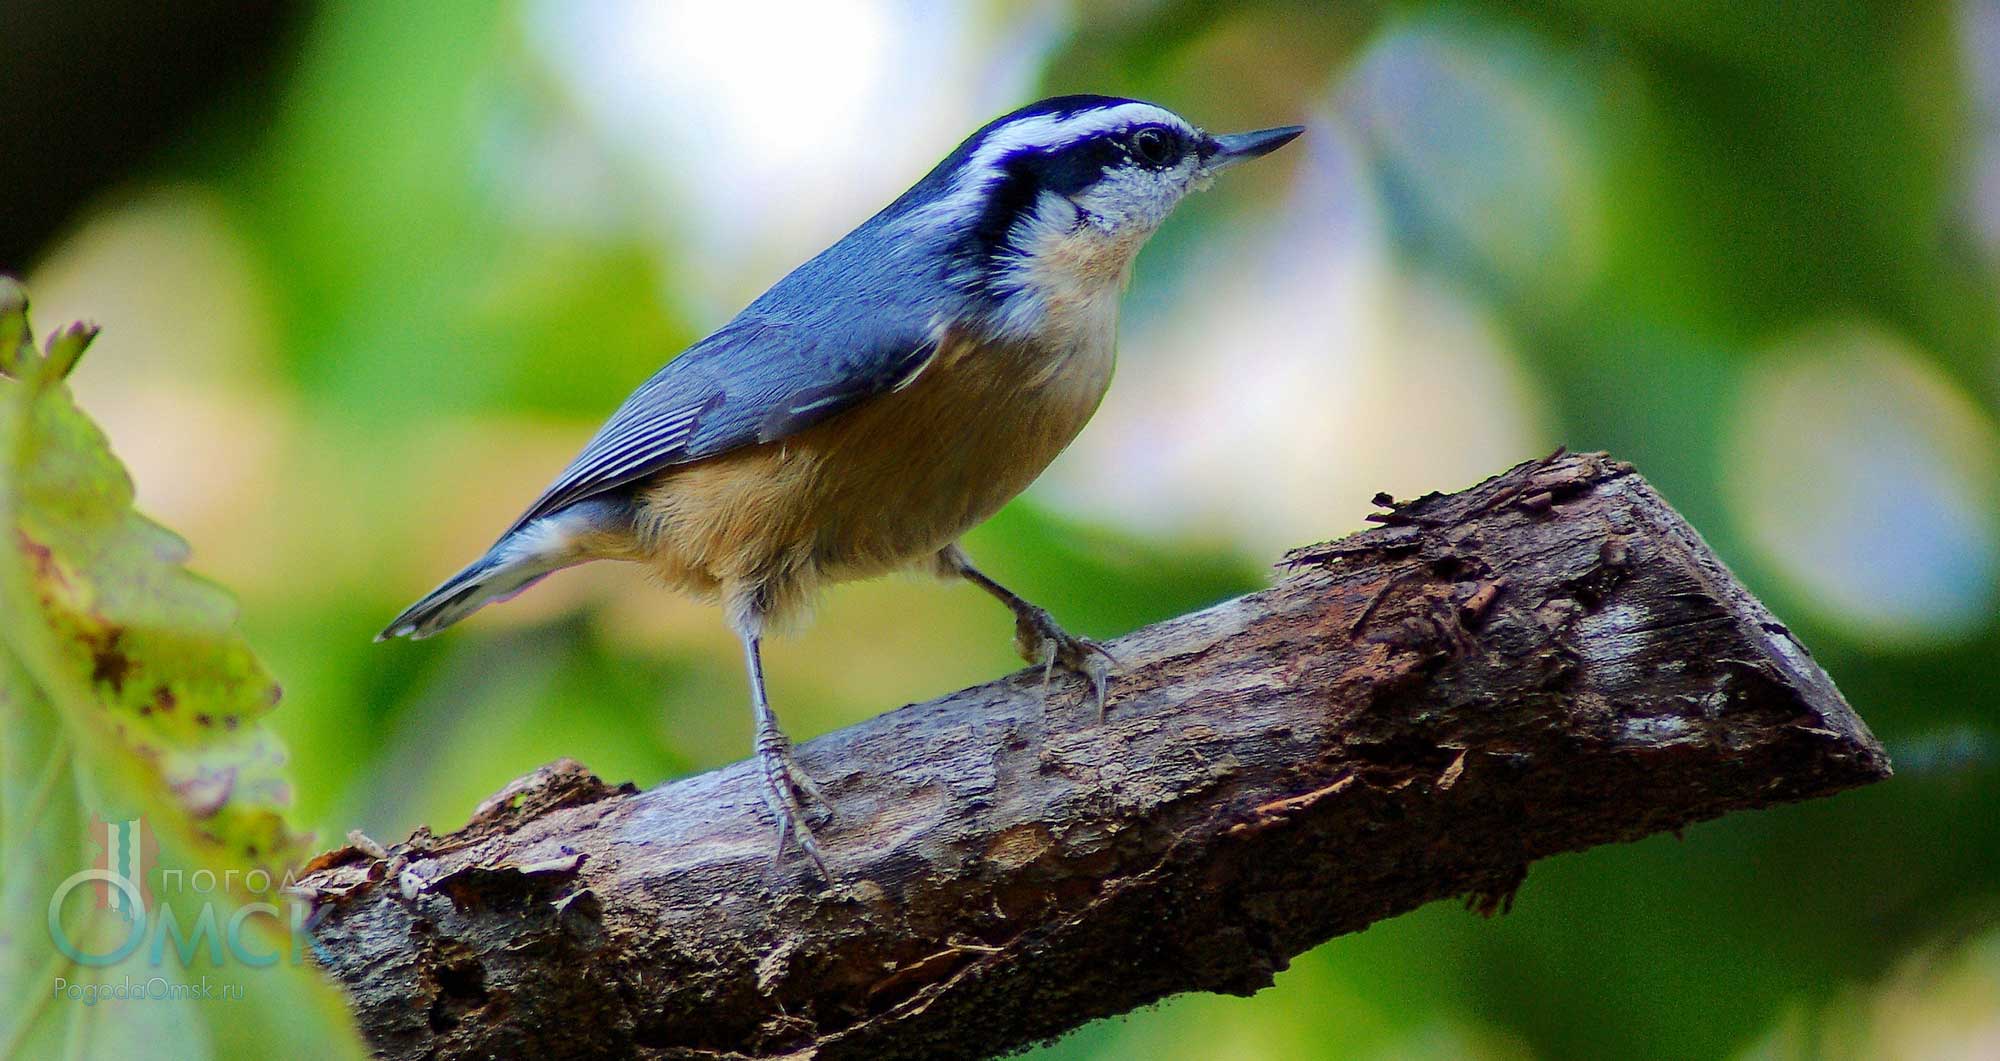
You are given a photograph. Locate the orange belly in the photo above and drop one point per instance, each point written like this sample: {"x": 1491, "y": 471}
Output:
{"x": 877, "y": 487}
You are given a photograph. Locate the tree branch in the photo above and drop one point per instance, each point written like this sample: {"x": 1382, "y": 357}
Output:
{"x": 1550, "y": 660}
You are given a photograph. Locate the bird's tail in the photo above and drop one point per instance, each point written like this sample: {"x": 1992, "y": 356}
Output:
{"x": 515, "y": 562}
{"x": 484, "y": 581}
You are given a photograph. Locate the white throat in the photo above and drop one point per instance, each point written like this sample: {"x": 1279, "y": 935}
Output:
{"x": 1065, "y": 275}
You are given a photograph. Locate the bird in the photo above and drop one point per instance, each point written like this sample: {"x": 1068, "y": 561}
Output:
{"x": 877, "y": 402}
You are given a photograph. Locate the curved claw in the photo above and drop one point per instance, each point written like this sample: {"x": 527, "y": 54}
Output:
{"x": 785, "y": 783}
{"x": 1042, "y": 641}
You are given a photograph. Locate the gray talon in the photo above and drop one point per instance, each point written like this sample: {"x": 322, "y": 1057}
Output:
{"x": 787, "y": 791}
{"x": 1042, "y": 641}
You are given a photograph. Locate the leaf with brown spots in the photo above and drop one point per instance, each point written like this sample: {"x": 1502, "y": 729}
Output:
{"x": 141, "y": 660}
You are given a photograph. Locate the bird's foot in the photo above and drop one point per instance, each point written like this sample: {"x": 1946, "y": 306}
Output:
{"x": 793, "y": 797}
{"x": 1043, "y": 642}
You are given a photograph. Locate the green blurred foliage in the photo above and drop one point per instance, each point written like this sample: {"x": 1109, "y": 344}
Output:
{"x": 1654, "y": 205}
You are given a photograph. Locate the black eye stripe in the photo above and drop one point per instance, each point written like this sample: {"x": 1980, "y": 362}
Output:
{"x": 1067, "y": 169}
{"x": 1071, "y": 166}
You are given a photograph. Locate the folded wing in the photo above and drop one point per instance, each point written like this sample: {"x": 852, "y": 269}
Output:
{"x": 756, "y": 380}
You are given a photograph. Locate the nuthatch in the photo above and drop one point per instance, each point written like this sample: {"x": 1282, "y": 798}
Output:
{"x": 880, "y": 400}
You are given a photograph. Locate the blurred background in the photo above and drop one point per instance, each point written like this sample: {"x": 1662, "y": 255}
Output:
{"x": 370, "y": 273}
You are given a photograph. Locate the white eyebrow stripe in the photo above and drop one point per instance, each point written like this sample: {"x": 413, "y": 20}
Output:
{"x": 1053, "y": 130}
{"x": 1039, "y": 132}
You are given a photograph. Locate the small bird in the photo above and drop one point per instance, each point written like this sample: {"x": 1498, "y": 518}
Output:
{"x": 878, "y": 402}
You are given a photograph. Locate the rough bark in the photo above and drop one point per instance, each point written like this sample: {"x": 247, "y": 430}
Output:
{"x": 1550, "y": 660}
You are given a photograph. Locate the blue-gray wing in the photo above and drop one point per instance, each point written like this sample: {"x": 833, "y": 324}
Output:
{"x": 754, "y": 381}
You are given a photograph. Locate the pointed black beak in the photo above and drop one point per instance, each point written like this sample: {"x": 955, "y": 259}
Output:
{"x": 1223, "y": 152}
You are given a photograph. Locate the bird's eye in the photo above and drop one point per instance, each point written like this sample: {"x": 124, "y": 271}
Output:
{"x": 1153, "y": 146}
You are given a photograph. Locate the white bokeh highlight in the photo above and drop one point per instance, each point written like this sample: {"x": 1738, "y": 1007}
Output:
{"x": 768, "y": 128}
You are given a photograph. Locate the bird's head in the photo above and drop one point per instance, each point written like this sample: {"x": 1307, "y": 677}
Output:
{"x": 1056, "y": 199}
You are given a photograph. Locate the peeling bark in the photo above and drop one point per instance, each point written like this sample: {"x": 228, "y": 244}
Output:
{"x": 1550, "y": 660}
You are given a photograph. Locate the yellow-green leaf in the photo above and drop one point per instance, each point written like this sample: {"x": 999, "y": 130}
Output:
{"x": 142, "y": 658}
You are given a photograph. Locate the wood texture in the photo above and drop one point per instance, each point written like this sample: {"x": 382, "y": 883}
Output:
{"x": 1550, "y": 660}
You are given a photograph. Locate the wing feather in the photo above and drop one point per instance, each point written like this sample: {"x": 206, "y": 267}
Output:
{"x": 754, "y": 381}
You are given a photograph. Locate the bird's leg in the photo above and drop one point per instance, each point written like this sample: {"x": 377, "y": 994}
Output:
{"x": 1037, "y": 635}
{"x": 786, "y": 786}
